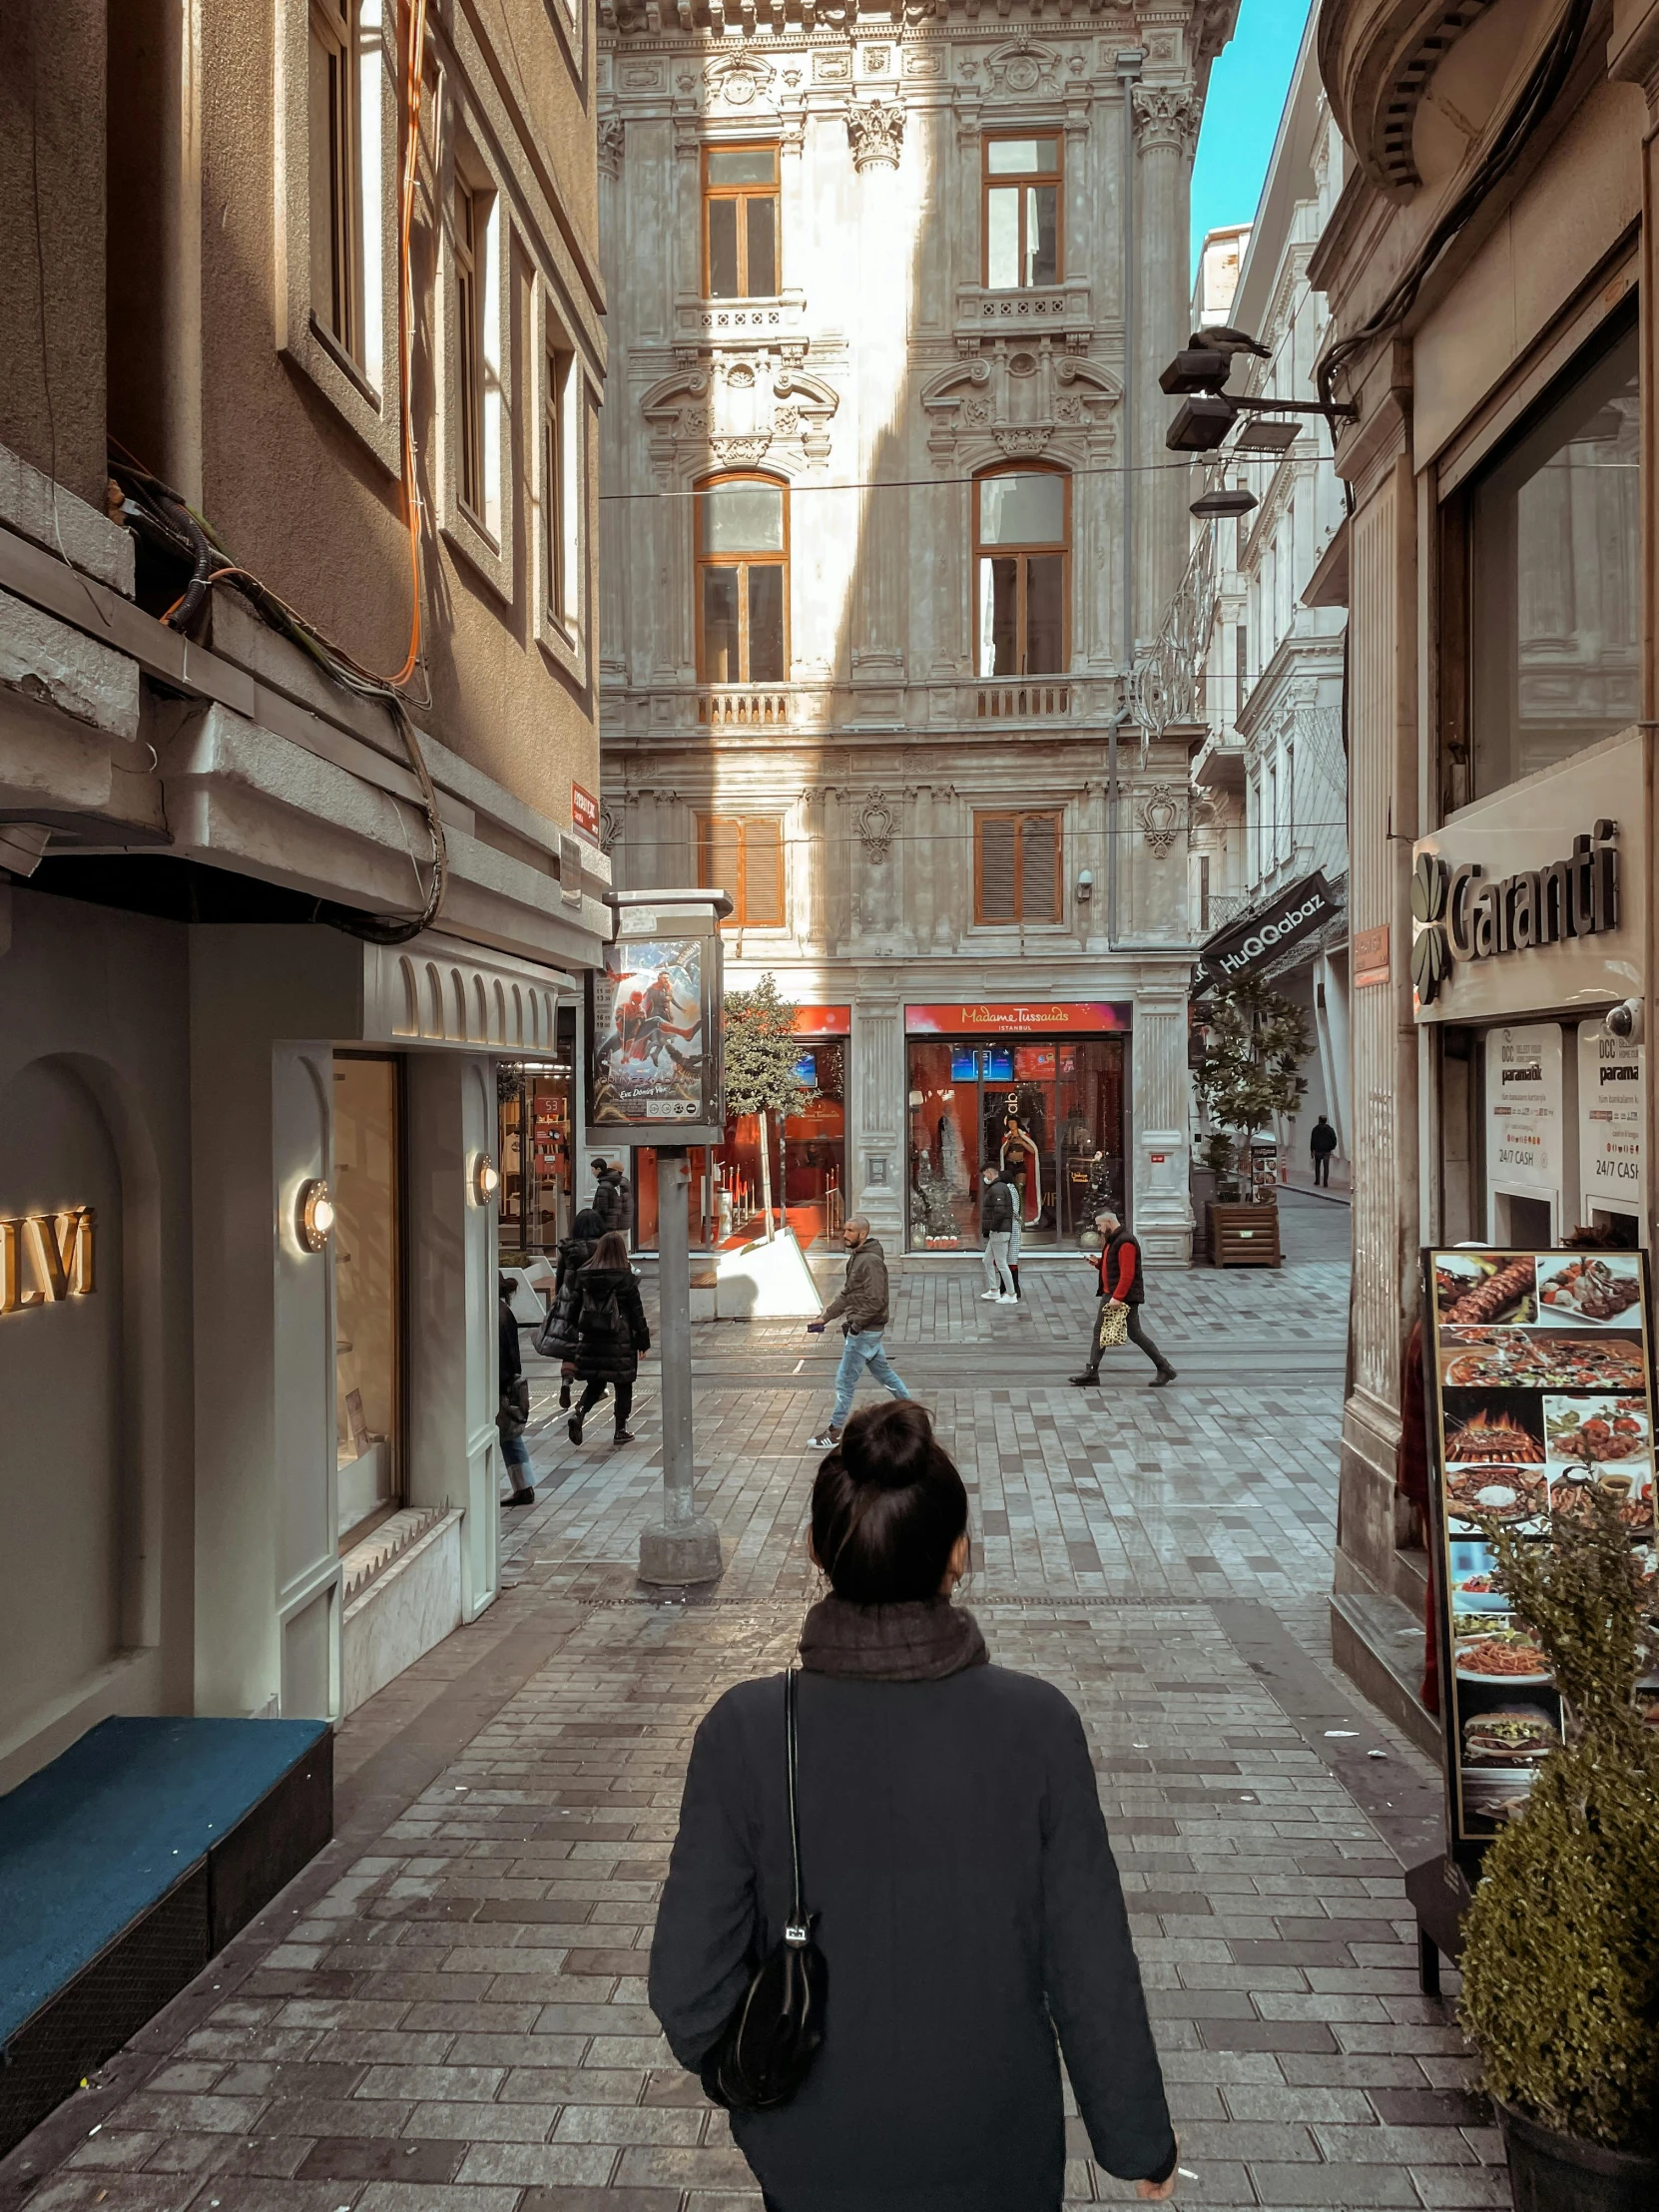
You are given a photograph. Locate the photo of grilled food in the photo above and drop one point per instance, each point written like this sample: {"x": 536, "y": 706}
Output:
{"x": 1508, "y": 1494}
{"x": 1541, "y": 1360}
{"x": 1479, "y": 1286}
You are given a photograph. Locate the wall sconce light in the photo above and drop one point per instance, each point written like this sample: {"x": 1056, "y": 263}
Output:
{"x": 315, "y": 1219}
{"x": 486, "y": 1179}
{"x": 1085, "y": 884}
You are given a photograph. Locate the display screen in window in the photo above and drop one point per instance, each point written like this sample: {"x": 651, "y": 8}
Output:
{"x": 1555, "y": 568}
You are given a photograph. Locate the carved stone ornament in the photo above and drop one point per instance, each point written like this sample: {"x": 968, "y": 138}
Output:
{"x": 1022, "y": 401}
{"x": 1159, "y": 815}
{"x": 612, "y": 135}
{"x": 1167, "y": 117}
{"x": 609, "y": 826}
{"x": 1023, "y": 444}
{"x": 741, "y": 80}
{"x": 874, "y": 822}
{"x": 740, "y": 452}
{"x": 1020, "y": 69}
{"x": 876, "y": 132}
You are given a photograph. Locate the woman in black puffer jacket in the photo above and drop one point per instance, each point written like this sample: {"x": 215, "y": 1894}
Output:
{"x": 611, "y": 1333}
{"x": 957, "y": 1868}
{"x": 558, "y": 1333}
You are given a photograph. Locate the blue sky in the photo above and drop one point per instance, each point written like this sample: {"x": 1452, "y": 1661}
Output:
{"x": 1241, "y": 114}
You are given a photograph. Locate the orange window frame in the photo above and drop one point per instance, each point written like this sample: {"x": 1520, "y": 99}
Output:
{"x": 743, "y": 563}
{"x": 1024, "y": 554}
{"x": 710, "y": 192}
{"x": 738, "y": 833}
{"x": 1021, "y": 178}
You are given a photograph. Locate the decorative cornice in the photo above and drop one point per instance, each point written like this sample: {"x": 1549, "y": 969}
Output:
{"x": 1167, "y": 117}
{"x": 876, "y": 132}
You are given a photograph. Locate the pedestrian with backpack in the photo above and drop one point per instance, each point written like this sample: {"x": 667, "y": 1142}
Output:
{"x": 558, "y": 1340}
{"x": 611, "y": 1333}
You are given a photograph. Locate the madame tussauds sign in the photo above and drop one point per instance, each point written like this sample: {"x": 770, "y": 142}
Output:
{"x": 1463, "y": 915}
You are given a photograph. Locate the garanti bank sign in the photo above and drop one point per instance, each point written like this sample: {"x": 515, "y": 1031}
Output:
{"x": 1518, "y": 909}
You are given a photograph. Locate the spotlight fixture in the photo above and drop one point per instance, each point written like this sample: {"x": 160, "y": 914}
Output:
{"x": 486, "y": 1179}
{"x": 315, "y": 1216}
{"x": 1199, "y": 424}
{"x": 1229, "y": 500}
{"x": 1197, "y": 369}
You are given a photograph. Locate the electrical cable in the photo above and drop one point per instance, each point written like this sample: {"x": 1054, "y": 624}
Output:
{"x": 1541, "y": 89}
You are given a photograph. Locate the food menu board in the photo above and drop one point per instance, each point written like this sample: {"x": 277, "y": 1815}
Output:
{"x": 1539, "y": 1386}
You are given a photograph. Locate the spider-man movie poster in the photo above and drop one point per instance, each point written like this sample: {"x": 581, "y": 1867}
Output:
{"x": 648, "y": 1037}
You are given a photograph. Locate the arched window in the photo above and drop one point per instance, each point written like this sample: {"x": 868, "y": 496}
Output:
{"x": 743, "y": 590}
{"x": 1021, "y": 575}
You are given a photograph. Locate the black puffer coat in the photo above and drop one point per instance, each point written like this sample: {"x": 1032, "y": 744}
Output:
{"x": 603, "y": 1354}
{"x": 557, "y": 1339}
{"x": 973, "y": 1924}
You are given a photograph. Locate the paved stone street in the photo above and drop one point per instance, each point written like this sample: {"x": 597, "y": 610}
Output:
{"x": 446, "y": 2012}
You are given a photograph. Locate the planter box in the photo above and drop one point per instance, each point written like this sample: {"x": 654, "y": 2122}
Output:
{"x": 1245, "y": 1236}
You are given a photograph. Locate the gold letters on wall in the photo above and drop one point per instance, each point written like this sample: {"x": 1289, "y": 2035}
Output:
{"x": 46, "y": 1258}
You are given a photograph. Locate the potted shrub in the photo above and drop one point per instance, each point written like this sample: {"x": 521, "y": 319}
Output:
{"x": 1254, "y": 1040}
{"x": 1561, "y": 1942}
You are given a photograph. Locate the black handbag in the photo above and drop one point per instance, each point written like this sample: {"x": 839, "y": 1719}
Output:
{"x": 763, "y": 2052}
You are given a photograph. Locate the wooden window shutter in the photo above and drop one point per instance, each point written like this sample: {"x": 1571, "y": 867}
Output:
{"x": 720, "y": 857}
{"x": 763, "y": 873}
{"x": 996, "y": 857}
{"x": 1040, "y": 870}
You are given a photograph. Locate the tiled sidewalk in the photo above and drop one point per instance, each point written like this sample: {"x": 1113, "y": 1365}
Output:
{"x": 447, "y": 2013}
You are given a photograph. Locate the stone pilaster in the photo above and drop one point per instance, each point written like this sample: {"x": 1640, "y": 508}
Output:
{"x": 875, "y": 1167}
{"x": 1162, "y": 1215}
{"x": 1166, "y": 133}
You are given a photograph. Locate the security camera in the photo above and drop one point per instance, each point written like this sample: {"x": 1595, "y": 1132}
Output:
{"x": 1626, "y": 1020}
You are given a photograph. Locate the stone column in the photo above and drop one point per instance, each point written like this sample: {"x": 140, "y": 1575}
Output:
{"x": 1166, "y": 134}
{"x": 1159, "y": 1206}
{"x": 1382, "y": 816}
{"x": 884, "y": 192}
{"x": 876, "y": 1167}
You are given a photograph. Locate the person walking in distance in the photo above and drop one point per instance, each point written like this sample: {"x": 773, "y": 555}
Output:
{"x": 610, "y": 1195}
{"x": 996, "y": 1226}
{"x": 611, "y": 1333}
{"x": 957, "y": 1872}
{"x": 862, "y": 1310}
{"x": 513, "y": 1403}
{"x": 1322, "y": 1142}
{"x": 1121, "y": 1283}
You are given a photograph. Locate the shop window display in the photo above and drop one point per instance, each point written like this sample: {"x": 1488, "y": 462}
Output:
{"x": 537, "y": 1167}
{"x": 368, "y": 1289}
{"x": 1050, "y": 1111}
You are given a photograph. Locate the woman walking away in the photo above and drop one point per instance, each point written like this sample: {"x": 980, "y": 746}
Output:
{"x": 610, "y": 1332}
{"x": 955, "y": 1873}
{"x": 558, "y": 1333}
{"x": 512, "y": 1408}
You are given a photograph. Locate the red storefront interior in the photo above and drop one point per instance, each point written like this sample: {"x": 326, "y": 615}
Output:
{"x": 1042, "y": 1088}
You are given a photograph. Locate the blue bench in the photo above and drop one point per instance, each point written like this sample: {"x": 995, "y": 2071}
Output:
{"x": 125, "y": 1866}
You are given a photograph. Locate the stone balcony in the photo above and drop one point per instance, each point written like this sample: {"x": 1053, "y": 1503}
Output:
{"x": 737, "y": 322}
{"x": 1048, "y": 310}
{"x": 675, "y": 712}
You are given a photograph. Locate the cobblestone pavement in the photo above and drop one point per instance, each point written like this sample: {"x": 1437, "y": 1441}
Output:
{"x": 446, "y": 2012}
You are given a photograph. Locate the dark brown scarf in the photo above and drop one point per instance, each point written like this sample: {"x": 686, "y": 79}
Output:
{"x": 922, "y": 1640}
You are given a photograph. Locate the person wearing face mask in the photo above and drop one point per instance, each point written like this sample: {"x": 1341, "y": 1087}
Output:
{"x": 862, "y": 1310}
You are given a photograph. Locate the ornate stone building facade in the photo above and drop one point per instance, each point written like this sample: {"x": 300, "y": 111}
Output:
{"x": 889, "y": 298}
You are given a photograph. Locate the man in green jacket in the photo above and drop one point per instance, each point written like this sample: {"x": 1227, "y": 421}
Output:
{"x": 862, "y": 1310}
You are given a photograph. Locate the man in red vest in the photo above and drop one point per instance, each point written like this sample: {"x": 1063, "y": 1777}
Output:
{"x": 1121, "y": 1283}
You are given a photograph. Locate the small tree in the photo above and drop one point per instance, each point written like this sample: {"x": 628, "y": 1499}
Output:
{"x": 1257, "y": 1043}
{"x": 761, "y": 1055}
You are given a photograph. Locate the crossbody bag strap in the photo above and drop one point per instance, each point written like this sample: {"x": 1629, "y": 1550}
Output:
{"x": 799, "y": 1930}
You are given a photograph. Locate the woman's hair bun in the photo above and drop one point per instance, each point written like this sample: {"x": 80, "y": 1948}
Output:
{"x": 889, "y": 1445}
{"x": 889, "y": 1507}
